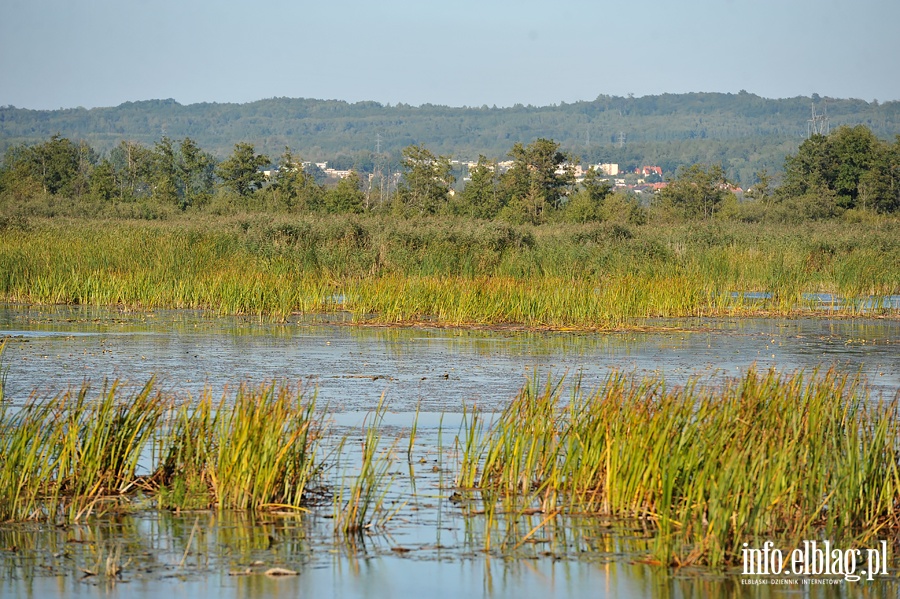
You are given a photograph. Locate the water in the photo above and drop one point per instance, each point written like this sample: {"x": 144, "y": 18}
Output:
{"x": 431, "y": 547}
{"x": 439, "y": 370}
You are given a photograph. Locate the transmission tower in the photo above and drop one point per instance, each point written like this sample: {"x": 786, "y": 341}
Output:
{"x": 818, "y": 124}
{"x": 621, "y": 139}
{"x": 377, "y": 173}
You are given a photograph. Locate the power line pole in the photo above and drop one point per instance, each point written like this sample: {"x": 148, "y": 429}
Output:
{"x": 818, "y": 124}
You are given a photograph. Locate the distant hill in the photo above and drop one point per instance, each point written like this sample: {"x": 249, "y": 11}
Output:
{"x": 743, "y": 132}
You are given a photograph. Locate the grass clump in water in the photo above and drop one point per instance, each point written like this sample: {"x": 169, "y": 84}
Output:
{"x": 257, "y": 451}
{"x": 766, "y": 456}
{"x": 66, "y": 455}
{"x": 65, "y": 458}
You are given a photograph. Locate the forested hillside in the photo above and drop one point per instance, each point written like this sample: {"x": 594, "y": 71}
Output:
{"x": 743, "y": 132}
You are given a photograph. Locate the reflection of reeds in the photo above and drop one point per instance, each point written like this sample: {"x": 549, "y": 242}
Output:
{"x": 766, "y": 455}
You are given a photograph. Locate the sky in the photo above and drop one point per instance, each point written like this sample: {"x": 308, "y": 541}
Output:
{"x": 90, "y": 53}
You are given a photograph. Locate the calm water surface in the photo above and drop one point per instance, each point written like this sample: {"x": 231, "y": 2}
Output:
{"x": 438, "y": 369}
{"x": 430, "y": 549}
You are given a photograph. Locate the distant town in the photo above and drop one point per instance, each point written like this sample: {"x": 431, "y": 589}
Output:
{"x": 642, "y": 180}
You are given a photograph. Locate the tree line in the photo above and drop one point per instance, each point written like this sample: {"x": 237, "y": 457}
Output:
{"x": 850, "y": 169}
{"x": 743, "y": 132}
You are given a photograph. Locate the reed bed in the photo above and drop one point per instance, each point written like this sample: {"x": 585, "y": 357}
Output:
{"x": 767, "y": 456}
{"x": 452, "y": 271}
{"x": 64, "y": 458}
{"x": 254, "y": 451}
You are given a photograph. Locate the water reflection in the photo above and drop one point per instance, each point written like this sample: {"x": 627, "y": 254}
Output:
{"x": 437, "y": 369}
{"x": 225, "y": 555}
{"x": 441, "y": 550}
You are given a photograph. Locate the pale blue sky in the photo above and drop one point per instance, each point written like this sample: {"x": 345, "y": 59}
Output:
{"x": 68, "y": 53}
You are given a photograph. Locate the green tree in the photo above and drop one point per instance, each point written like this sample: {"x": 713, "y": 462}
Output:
{"x": 164, "y": 177}
{"x": 103, "y": 181}
{"x": 346, "y": 196}
{"x": 133, "y": 164}
{"x": 425, "y": 185}
{"x": 855, "y": 152}
{"x": 537, "y": 181}
{"x": 850, "y": 167}
{"x": 196, "y": 173}
{"x": 59, "y": 166}
{"x": 762, "y": 189}
{"x": 697, "y": 191}
{"x": 241, "y": 171}
{"x": 480, "y": 197}
{"x": 586, "y": 204}
{"x": 293, "y": 187}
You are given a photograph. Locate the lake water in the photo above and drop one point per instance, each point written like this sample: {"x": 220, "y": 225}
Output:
{"x": 438, "y": 369}
{"x": 431, "y": 547}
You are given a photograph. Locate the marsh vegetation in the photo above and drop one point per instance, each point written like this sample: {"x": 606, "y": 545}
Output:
{"x": 454, "y": 271}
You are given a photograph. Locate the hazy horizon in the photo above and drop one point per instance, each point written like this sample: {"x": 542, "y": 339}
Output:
{"x": 58, "y": 54}
{"x": 395, "y": 104}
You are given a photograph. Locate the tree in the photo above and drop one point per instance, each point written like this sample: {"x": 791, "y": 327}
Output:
{"x": 164, "y": 177}
{"x": 103, "y": 181}
{"x": 293, "y": 187}
{"x": 196, "y": 171}
{"x": 426, "y": 182}
{"x": 697, "y": 191}
{"x": 241, "y": 171}
{"x": 480, "y": 197}
{"x": 346, "y": 196}
{"x": 850, "y": 167}
{"x": 59, "y": 166}
{"x": 537, "y": 181}
{"x": 586, "y": 204}
{"x": 133, "y": 164}
{"x": 855, "y": 151}
{"x": 762, "y": 190}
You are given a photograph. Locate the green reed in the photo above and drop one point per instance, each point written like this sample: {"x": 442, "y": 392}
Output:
{"x": 452, "y": 271}
{"x": 72, "y": 451}
{"x": 360, "y": 507}
{"x": 253, "y": 451}
{"x": 68, "y": 457}
{"x": 764, "y": 456}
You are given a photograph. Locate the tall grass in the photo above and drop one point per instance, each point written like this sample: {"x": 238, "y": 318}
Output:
{"x": 253, "y": 451}
{"x": 62, "y": 459}
{"x": 766, "y": 456}
{"x": 66, "y": 454}
{"x": 453, "y": 271}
